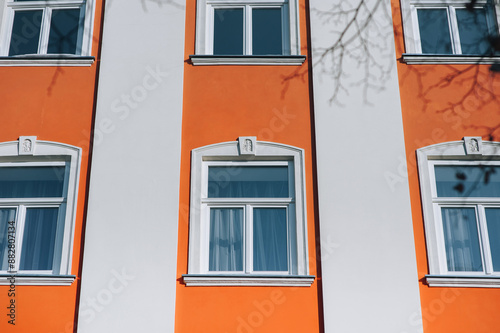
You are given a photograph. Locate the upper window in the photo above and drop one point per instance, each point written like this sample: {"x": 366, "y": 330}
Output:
{"x": 37, "y": 27}
{"x": 461, "y": 199}
{"x": 247, "y": 28}
{"x": 37, "y": 202}
{"x": 449, "y": 27}
{"x": 247, "y": 215}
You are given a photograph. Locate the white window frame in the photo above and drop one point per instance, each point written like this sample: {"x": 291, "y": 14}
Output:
{"x": 11, "y": 6}
{"x": 455, "y": 153}
{"x": 411, "y": 31}
{"x": 248, "y": 205}
{"x": 229, "y": 153}
{"x": 205, "y": 33}
{"x": 45, "y": 153}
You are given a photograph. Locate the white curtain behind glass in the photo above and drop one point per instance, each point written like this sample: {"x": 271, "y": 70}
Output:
{"x": 461, "y": 239}
{"x": 226, "y": 239}
{"x": 269, "y": 239}
{"x": 39, "y": 239}
{"x": 40, "y": 224}
{"x": 493, "y": 221}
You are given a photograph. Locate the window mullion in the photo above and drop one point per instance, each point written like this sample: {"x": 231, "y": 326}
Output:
{"x": 43, "y": 43}
{"x": 416, "y": 31}
{"x": 485, "y": 244}
{"x": 210, "y": 31}
{"x": 455, "y": 36}
{"x": 20, "y": 224}
{"x": 205, "y": 238}
{"x": 247, "y": 31}
{"x": 248, "y": 239}
{"x": 440, "y": 237}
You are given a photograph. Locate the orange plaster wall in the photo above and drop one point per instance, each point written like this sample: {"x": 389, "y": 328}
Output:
{"x": 55, "y": 104}
{"x": 443, "y": 103}
{"x": 222, "y": 103}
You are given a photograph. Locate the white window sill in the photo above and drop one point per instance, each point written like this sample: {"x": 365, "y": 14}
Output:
{"x": 478, "y": 281}
{"x": 423, "y": 59}
{"x": 198, "y": 280}
{"x": 36, "y": 280}
{"x": 210, "y": 60}
{"x": 46, "y": 60}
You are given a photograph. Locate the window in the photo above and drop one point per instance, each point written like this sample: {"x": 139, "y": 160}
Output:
{"x": 37, "y": 202}
{"x": 37, "y": 27}
{"x": 251, "y": 29}
{"x": 248, "y": 30}
{"x": 449, "y": 27}
{"x": 247, "y": 216}
{"x": 460, "y": 184}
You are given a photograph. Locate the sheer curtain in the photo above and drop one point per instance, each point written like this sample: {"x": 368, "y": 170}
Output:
{"x": 39, "y": 239}
{"x": 31, "y": 182}
{"x": 226, "y": 239}
{"x": 248, "y": 182}
{"x": 269, "y": 239}
{"x": 269, "y": 223}
{"x": 461, "y": 240}
{"x": 40, "y": 224}
{"x": 493, "y": 222}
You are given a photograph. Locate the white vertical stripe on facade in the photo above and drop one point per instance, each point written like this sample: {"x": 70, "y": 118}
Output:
{"x": 369, "y": 277}
{"x": 130, "y": 254}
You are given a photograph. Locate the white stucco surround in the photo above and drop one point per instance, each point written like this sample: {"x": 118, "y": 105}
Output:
{"x": 130, "y": 253}
{"x": 368, "y": 262}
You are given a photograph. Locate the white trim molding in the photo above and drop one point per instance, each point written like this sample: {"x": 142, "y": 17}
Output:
{"x": 36, "y": 61}
{"x": 210, "y": 60}
{"x": 36, "y": 280}
{"x": 428, "y": 59}
{"x": 266, "y": 153}
{"x": 197, "y": 280}
{"x": 463, "y": 281}
{"x": 29, "y": 152}
{"x": 470, "y": 152}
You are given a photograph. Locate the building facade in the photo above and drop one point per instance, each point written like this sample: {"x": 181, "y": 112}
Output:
{"x": 249, "y": 166}
{"x": 49, "y": 67}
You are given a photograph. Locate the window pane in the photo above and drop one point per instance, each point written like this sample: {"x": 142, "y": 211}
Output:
{"x": 6, "y": 215}
{"x": 434, "y": 31}
{"x": 493, "y": 222}
{"x": 25, "y": 32}
{"x": 461, "y": 240}
{"x": 228, "y": 31}
{"x": 39, "y": 239}
{"x": 64, "y": 30}
{"x": 467, "y": 181}
{"x": 226, "y": 239}
{"x": 269, "y": 239}
{"x": 473, "y": 30}
{"x": 248, "y": 182}
{"x": 266, "y": 31}
{"x": 31, "y": 182}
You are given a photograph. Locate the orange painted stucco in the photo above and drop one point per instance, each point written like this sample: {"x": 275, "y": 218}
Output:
{"x": 221, "y": 103}
{"x": 54, "y": 103}
{"x": 442, "y": 103}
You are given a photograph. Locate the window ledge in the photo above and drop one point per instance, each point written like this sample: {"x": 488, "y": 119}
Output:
{"x": 46, "y": 60}
{"x": 36, "y": 280}
{"x": 473, "y": 281}
{"x": 198, "y": 280}
{"x": 288, "y": 60}
{"x": 422, "y": 59}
